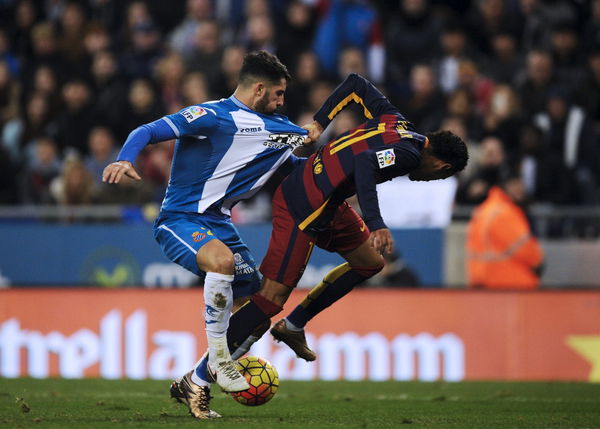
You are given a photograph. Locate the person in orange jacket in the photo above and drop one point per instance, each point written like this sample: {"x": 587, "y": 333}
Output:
{"x": 502, "y": 253}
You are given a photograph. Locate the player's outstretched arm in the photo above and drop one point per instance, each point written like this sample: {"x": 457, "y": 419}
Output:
{"x": 357, "y": 89}
{"x": 153, "y": 132}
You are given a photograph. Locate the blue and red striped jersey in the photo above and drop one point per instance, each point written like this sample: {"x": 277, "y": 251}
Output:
{"x": 383, "y": 147}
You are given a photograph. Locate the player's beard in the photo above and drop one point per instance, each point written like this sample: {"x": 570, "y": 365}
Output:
{"x": 262, "y": 103}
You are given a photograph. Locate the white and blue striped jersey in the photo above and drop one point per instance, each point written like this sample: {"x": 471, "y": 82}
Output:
{"x": 223, "y": 154}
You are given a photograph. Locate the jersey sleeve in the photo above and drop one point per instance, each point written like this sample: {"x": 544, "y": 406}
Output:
{"x": 152, "y": 132}
{"x": 377, "y": 166}
{"x": 193, "y": 120}
{"x": 366, "y": 189}
{"x": 357, "y": 89}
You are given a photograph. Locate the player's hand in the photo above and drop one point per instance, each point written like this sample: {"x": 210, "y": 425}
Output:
{"x": 314, "y": 132}
{"x": 115, "y": 171}
{"x": 382, "y": 241}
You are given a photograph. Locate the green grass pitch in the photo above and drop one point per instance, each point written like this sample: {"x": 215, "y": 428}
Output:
{"x": 58, "y": 403}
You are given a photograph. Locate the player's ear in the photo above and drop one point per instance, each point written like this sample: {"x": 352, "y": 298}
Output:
{"x": 259, "y": 89}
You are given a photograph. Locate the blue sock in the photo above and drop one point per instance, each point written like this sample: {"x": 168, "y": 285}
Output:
{"x": 299, "y": 317}
{"x": 335, "y": 285}
{"x": 201, "y": 371}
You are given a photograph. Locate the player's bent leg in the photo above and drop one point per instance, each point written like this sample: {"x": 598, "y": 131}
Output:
{"x": 216, "y": 259}
{"x": 363, "y": 263}
{"x": 259, "y": 309}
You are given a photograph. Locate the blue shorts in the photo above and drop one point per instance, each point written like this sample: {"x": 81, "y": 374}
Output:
{"x": 181, "y": 235}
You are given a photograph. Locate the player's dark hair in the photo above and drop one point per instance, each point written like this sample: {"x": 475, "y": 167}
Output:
{"x": 262, "y": 65}
{"x": 449, "y": 148}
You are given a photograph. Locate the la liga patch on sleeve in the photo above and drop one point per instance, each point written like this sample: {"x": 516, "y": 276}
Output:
{"x": 192, "y": 113}
{"x": 385, "y": 158}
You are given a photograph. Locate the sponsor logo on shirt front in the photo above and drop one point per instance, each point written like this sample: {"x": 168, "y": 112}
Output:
{"x": 250, "y": 130}
{"x": 385, "y": 158}
{"x": 192, "y": 113}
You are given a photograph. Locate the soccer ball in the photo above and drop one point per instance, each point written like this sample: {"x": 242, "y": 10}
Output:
{"x": 262, "y": 378}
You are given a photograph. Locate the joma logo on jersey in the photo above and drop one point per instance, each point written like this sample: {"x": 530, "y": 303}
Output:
{"x": 250, "y": 130}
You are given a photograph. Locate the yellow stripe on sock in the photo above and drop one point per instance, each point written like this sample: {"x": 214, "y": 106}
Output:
{"x": 329, "y": 278}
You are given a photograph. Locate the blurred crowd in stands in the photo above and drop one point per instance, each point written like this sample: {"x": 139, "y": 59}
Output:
{"x": 519, "y": 80}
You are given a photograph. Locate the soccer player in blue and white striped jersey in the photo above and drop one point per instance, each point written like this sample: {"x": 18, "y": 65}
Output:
{"x": 225, "y": 152}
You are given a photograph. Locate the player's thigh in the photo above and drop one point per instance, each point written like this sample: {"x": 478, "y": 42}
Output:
{"x": 349, "y": 236}
{"x": 181, "y": 239}
{"x": 215, "y": 257}
{"x": 289, "y": 247}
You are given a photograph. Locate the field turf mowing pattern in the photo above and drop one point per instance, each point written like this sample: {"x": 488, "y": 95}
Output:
{"x": 59, "y": 403}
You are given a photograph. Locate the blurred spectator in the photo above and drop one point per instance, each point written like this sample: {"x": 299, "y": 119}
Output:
{"x": 351, "y": 60}
{"x": 183, "y": 38}
{"x": 487, "y": 18}
{"x": 9, "y": 94}
{"x": 424, "y": 105}
{"x": 412, "y": 36}
{"x": 101, "y": 152}
{"x": 40, "y": 171}
{"x": 19, "y": 132}
{"x": 75, "y": 120}
{"x": 538, "y": 17}
{"x": 26, "y": 15}
{"x": 395, "y": 273}
{"x": 460, "y": 104}
{"x": 96, "y": 39}
{"x": 501, "y": 251}
{"x": 142, "y": 107}
{"x": 504, "y": 119}
{"x": 194, "y": 89}
{"x": 169, "y": 74}
{"x": 146, "y": 50}
{"x": 305, "y": 73}
{"x": 479, "y": 87}
{"x": 260, "y": 34}
{"x": 110, "y": 90}
{"x": 45, "y": 51}
{"x": 533, "y": 86}
{"x": 571, "y": 146}
{"x": 349, "y": 23}
{"x": 6, "y": 55}
{"x": 45, "y": 82}
{"x": 295, "y": 31}
{"x": 566, "y": 54}
{"x": 591, "y": 34}
{"x": 226, "y": 82}
{"x": 454, "y": 50}
{"x": 504, "y": 62}
{"x": 207, "y": 54}
{"x": 490, "y": 167}
{"x": 588, "y": 92}
{"x": 71, "y": 40}
{"x": 75, "y": 184}
{"x": 137, "y": 13}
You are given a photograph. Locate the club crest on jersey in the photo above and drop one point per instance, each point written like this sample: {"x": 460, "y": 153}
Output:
{"x": 192, "y": 113}
{"x": 385, "y": 158}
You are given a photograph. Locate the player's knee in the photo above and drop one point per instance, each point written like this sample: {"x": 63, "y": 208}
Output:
{"x": 222, "y": 262}
{"x": 268, "y": 307}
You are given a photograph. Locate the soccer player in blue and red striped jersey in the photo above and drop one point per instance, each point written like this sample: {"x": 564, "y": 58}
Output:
{"x": 309, "y": 209}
